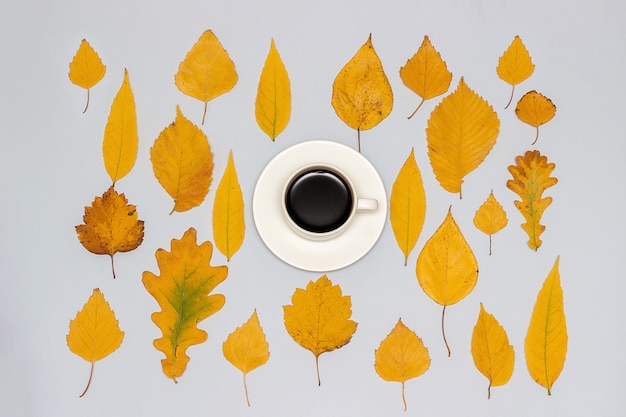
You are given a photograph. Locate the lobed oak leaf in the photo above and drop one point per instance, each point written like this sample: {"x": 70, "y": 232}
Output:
{"x": 86, "y": 68}
{"x": 490, "y": 217}
{"x": 535, "y": 109}
{"x": 94, "y": 332}
{"x": 515, "y": 65}
{"x": 228, "y": 214}
{"x": 111, "y": 225}
{"x": 318, "y": 318}
{"x": 182, "y": 291}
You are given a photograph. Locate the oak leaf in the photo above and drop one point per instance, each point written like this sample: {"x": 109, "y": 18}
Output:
{"x": 273, "y": 100}
{"x": 228, "y": 214}
{"x": 546, "y": 341}
{"x": 426, "y": 73}
{"x": 535, "y": 109}
{"x": 111, "y": 225}
{"x": 446, "y": 267}
{"x": 94, "y": 332}
{"x": 461, "y": 131}
{"x": 182, "y": 291}
{"x": 318, "y": 318}
{"x": 515, "y": 65}
{"x": 182, "y": 162}
{"x": 121, "y": 141}
{"x": 362, "y": 96}
{"x": 207, "y": 71}
{"x": 86, "y": 68}
{"x": 493, "y": 356}
{"x": 531, "y": 177}
{"x": 407, "y": 205}
{"x": 490, "y": 217}
{"x": 401, "y": 356}
{"x": 246, "y": 348}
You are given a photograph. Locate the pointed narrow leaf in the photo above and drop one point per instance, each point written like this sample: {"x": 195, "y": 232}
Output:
{"x": 86, "y": 68}
{"x": 490, "y": 217}
{"x": 546, "y": 340}
{"x": 228, "y": 215}
{"x": 515, "y": 65}
{"x": 535, "y": 109}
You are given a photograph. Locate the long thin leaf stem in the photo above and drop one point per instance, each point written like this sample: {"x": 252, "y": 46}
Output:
{"x": 204, "y": 112}
{"x": 317, "y": 368}
{"x": 87, "y": 104}
{"x": 489, "y": 390}
{"x": 536, "y": 136}
{"x": 245, "y": 388}
{"x": 443, "y": 330}
{"x": 489, "y": 245}
{"x": 112, "y": 266}
{"x": 415, "y": 111}
{"x": 358, "y": 136}
{"x": 510, "y": 98}
{"x": 89, "y": 381}
{"x": 403, "y": 397}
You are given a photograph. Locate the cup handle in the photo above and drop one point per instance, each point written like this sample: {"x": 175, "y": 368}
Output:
{"x": 366, "y": 204}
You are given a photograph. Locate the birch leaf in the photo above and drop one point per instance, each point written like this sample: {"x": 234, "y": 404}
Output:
{"x": 246, "y": 348}
{"x": 426, "y": 73}
{"x": 407, "y": 206}
{"x": 493, "y": 356}
{"x": 273, "y": 100}
{"x": 461, "y": 131}
{"x": 531, "y": 177}
{"x": 318, "y": 318}
{"x": 110, "y": 225}
{"x": 182, "y": 292}
{"x": 401, "y": 356}
{"x": 362, "y": 96}
{"x": 490, "y": 217}
{"x": 86, "y": 68}
{"x": 546, "y": 341}
{"x": 121, "y": 141}
{"x": 535, "y": 109}
{"x": 228, "y": 214}
{"x": 94, "y": 332}
{"x": 182, "y": 162}
{"x": 515, "y": 65}
{"x": 207, "y": 71}
{"x": 446, "y": 268}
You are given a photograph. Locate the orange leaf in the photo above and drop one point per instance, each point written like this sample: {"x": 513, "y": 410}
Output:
{"x": 110, "y": 226}
{"x": 515, "y": 65}
{"x": 535, "y": 109}
{"x": 86, "y": 68}
{"x": 490, "y": 217}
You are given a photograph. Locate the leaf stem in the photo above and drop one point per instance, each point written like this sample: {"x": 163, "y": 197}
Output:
{"x": 204, "y": 112}
{"x": 510, "y": 98}
{"x": 489, "y": 390}
{"x": 536, "y": 136}
{"x": 89, "y": 381}
{"x": 358, "y": 136}
{"x": 489, "y": 245}
{"x": 87, "y": 104}
{"x": 317, "y": 368}
{"x": 112, "y": 266}
{"x": 245, "y": 388}
{"x": 443, "y": 330}
{"x": 403, "y": 397}
{"x": 413, "y": 114}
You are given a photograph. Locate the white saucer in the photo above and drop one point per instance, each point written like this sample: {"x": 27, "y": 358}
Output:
{"x": 327, "y": 255}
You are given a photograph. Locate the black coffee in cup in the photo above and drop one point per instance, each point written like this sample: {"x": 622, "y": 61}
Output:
{"x": 319, "y": 200}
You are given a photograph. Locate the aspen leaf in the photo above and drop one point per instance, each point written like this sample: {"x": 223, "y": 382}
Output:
{"x": 228, "y": 215}
{"x": 461, "y": 131}
{"x": 515, "y": 65}
{"x": 446, "y": 267}
{"x": 546, "y": 341}
{"x": 246, "y": 348}
{"x": 207, "y": 71}
{"x": 490, "y": 217}
{"x": 182, "y": 162}
{"x": 426, "y": 73}
{"x": 182, "y": 291}
{"x": 111, "y": 225}
{"x": 121, "y": 141}
{"x": 531, "y": 177}
{"x": 493, "y": 356}
{"x": 86, "y": 68}
{"x": 362, "y": 96}
{"x": 318, "y": 318}
{"x": 273, "y": 100}
{"x": 401, "y": 356}
{"x": 535, "y": 109}
{"x": 94, "y": 332}
{"x": 407, "y": 206}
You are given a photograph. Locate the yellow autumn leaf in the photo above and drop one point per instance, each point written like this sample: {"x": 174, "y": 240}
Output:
{"x": 86, "y": 68}
{"x": 362, "y": 96}
{"x": 207, "y": 71}
{"x": 273, "y": 100}
{"x": 407, "y": 206}
{"x": 531, "y": 177}
{"x": 461, "y": 131}
{"x": 246, "y": 348}
{"x": 94, "y": 332}
{"x": 426, "y": 73}
{"x": 446, "y": 267}
{"x": 535, "y": 109}
{"x": 182, "y": 162}
{"x": 546, "y": 340}
{"x": 493, "y": 356}
{"x": 401, "y": 356}
{"x": 515, "y": 65}
{"x": 182, "y": 291}
{"x": 121, "y": 141}
{"x": 318, "y": 318}
{"x": 111, "y": 225}
{"x": 490, "y": 217}
{"x": 228, "y": 215}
